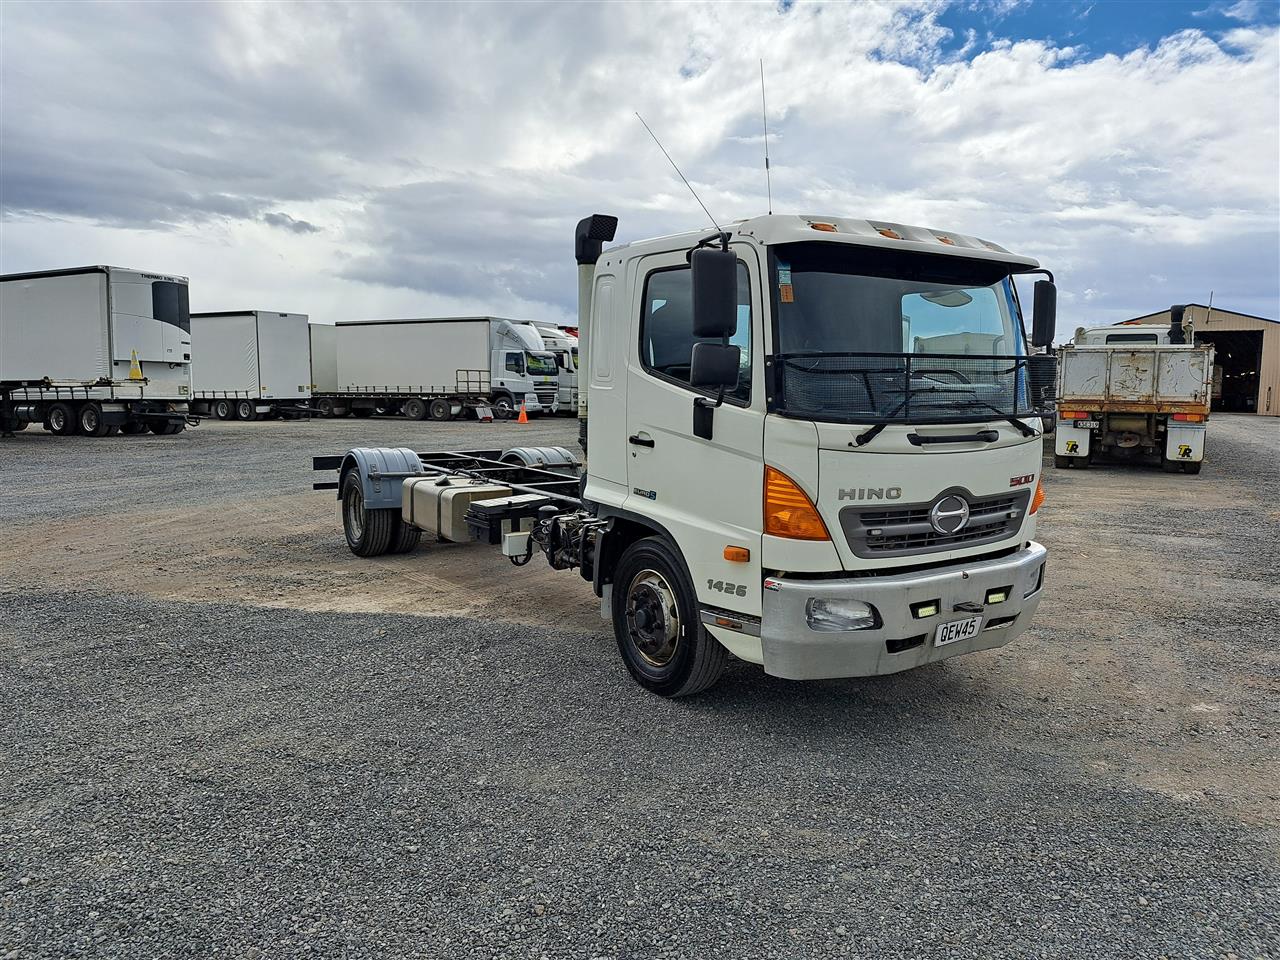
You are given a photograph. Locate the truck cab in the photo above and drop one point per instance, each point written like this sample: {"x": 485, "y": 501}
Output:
{"x": 840, "y": 475}
{"x": 564, "y": 347}
{"x": 523, "y": 370}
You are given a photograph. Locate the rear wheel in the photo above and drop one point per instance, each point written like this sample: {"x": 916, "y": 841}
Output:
{"x": 132, "y": 428}
{"x": 439, "y": 409}
{"x": 404, "y": 536}
{"x": 657, "y": 625}
{"x": 62, "y": 420}
{"x": 1191, "y": 466}
{"x": 223, "y": 410}
{"x": 1061, "y": 462}
{"x": 368, "y": 531}
{"x": 246, "y": 410}
{"x": 324, "y": 407}
{"x": 91, "y": 423}
{"x": 414, "y": 409}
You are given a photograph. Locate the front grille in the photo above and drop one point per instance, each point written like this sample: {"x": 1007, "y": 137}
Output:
{"x": 546, "y": 397}
{"x": 906, "y": 530}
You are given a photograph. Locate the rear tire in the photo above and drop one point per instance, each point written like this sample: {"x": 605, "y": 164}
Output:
{"x": 246, "y": 410}
{"x": 91, "y": 422}
{"x": 1061, "y": 462}
{"x": 324, "y": 407}
{"x": 414, "y": 409}
{"x": 439, "y": 409}
{"x": 1191, "y": 466}
{"x": 404, "y": 536}
{"x": 223, "y": 410}
{"x": 132, "y": 428}
{"x": 657, "y": 625}
{"x": 61, "y": 419}
{"x": 368, "y": 532}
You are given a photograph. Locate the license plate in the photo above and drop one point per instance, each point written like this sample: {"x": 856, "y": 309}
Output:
{"x": 957, "y": 630}
{"x": 1088, "y": 424}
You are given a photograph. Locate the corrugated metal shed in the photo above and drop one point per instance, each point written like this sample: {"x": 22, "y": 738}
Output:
{"x": 1247, "y": 349}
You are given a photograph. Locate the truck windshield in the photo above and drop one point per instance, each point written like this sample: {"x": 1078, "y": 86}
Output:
{"x": 867, "y": 335}
{"x": 540, "y": 364}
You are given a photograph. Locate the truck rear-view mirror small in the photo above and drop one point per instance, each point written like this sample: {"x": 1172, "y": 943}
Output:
{"x": 715, "y": 292}
{"x": 714, "y": 365}
{"x": 1045, "y": 315}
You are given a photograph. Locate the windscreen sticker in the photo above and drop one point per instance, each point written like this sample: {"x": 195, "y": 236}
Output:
{"x": 786, "y": 293}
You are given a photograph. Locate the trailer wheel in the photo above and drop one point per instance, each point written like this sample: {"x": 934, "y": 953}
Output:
{"x": 223, "y": 410}
{"x": 404, "y": 536}
{"x": 657, "y": 625}
{"x": 246, "y": 410}
{"x": 90, "y": 421}
{"x": 61, "y": 419}
{"x": 414, "y": 409}
{"x": 368, "y": 531}
{"x": 324, "y": 407}
{"x": 440, "y": 409}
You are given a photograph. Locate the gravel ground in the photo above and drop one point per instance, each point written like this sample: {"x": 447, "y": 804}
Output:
{"x": 180, "y": 777}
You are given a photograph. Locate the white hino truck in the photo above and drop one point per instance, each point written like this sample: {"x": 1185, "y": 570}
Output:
{"x": 563, "y": 345}
{"x": 95, "y": 351}
{"x": 782, "y": 463}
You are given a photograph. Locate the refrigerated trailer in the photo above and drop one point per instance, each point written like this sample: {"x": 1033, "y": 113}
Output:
{"x": 95, "y": 350}
{"x": 765, "y": 477}
{"x": 433, "y": 367}
{"x": 247, "y": 364}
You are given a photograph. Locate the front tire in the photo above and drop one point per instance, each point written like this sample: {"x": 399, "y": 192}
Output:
{"x": 368, "y": 531}
{"x": 657, "y": 625}
{"x": 504, "y": 406}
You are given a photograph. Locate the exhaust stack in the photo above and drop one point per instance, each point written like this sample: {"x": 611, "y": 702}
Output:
{"x": 1176, "y": 332}
{"x": 592, "y": 234}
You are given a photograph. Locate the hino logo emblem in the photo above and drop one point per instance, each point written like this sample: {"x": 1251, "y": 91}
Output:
{"x": 870, "y": 493}
{"x": 949, "y": 515}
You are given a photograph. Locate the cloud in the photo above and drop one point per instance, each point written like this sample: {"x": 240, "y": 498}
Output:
{"x": 283, "y": 220}
{"x": 448, "y": 150}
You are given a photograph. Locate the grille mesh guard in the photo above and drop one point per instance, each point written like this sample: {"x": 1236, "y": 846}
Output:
{"x": 904, "y": 530}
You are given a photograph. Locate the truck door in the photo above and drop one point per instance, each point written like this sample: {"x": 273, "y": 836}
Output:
{"x": 705, "y": 493}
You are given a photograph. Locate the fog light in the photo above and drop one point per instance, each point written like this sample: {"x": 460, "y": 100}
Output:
{"x": 927, "y": 608}
{"x": 832, "y": 616}
{"x": 999, "y": 595}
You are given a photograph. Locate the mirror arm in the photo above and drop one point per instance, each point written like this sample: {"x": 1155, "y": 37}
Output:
{"x": 720, "y": 238}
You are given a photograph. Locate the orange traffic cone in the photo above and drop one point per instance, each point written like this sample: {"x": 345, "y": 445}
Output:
{"x": 524, "y": 417}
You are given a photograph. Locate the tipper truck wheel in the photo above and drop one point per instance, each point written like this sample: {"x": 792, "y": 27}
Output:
{"x": 657, "y": 626}
{"x": 368, "y": 531}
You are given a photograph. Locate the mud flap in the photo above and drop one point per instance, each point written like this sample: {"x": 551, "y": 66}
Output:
{"x": 1184, "y": 443}
{"x": 1070, "y": 440}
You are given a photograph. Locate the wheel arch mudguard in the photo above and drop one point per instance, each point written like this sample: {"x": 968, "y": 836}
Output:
{"x": 381, "y": 470}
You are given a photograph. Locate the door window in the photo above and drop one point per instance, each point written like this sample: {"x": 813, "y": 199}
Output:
{"x": 666, "y": 328}
{"x": 515, "y": 363}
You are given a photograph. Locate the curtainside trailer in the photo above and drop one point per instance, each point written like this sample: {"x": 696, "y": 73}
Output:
{"x": 95, "y": 351}
{"x": 248, "y": 364}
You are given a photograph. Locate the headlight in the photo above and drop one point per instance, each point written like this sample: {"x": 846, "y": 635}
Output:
{"x": 836, "y": 616}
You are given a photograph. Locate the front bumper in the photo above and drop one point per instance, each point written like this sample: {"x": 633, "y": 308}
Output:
{"x": 794, "y": 651}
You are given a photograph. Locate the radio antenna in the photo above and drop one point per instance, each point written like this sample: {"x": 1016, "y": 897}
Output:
{"x": 677, "y": 170}
{"x": 764, "y": 113}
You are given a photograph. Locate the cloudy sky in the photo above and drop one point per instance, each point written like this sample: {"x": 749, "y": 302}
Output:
{"x": 377, "y": 159}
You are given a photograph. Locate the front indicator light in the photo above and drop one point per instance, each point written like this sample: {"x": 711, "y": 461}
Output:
{"x": 1038, "y": 499}
{"x": 788, "y": 511}
{"x": 837, "y": 616}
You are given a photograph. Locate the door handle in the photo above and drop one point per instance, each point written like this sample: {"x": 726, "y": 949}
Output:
{"x": 640, "y": 441}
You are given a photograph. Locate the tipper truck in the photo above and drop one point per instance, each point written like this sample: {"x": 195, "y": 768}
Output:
{"x": 778, "y": 464}
{"x": 1134, "y": 392}
{"x": 434, "y": 367}
{"x": 95, "y": 351}
{"x": 247, "y": 364}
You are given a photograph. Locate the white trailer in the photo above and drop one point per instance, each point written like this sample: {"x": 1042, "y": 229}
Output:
{"x": 436, "y": 367}
{"x": 248, "y": 364}
{"x": 764, "y": 477}
{"x": 1134, "y": 392}
{"x": 95, "y": 350}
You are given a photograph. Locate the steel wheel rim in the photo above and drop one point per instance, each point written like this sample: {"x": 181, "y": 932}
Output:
{"x": 653, "y": 618}
{"x": 355, "y": 515}
{"x": 89, "y": 420}
{"x": 57, "y": 419}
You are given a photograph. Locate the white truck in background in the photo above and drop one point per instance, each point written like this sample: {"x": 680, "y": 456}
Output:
{"x": 774, "y": 468}
{"x": 563, "y": 345}
{"x": 247, "y": 364}
{"x": 1134, "y": 392}
{"x": 432, "y": 367}
{"x": 95, "y": 351}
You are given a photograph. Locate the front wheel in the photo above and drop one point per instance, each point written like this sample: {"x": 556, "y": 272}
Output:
{"x": 504, "y": 407}
{"x": 657, "y": 625}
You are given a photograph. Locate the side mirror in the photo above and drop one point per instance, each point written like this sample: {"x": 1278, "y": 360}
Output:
{"x": 715, "y": 293}
{"x": 714, "y": 365}
{"x": 1045, "y": 315}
